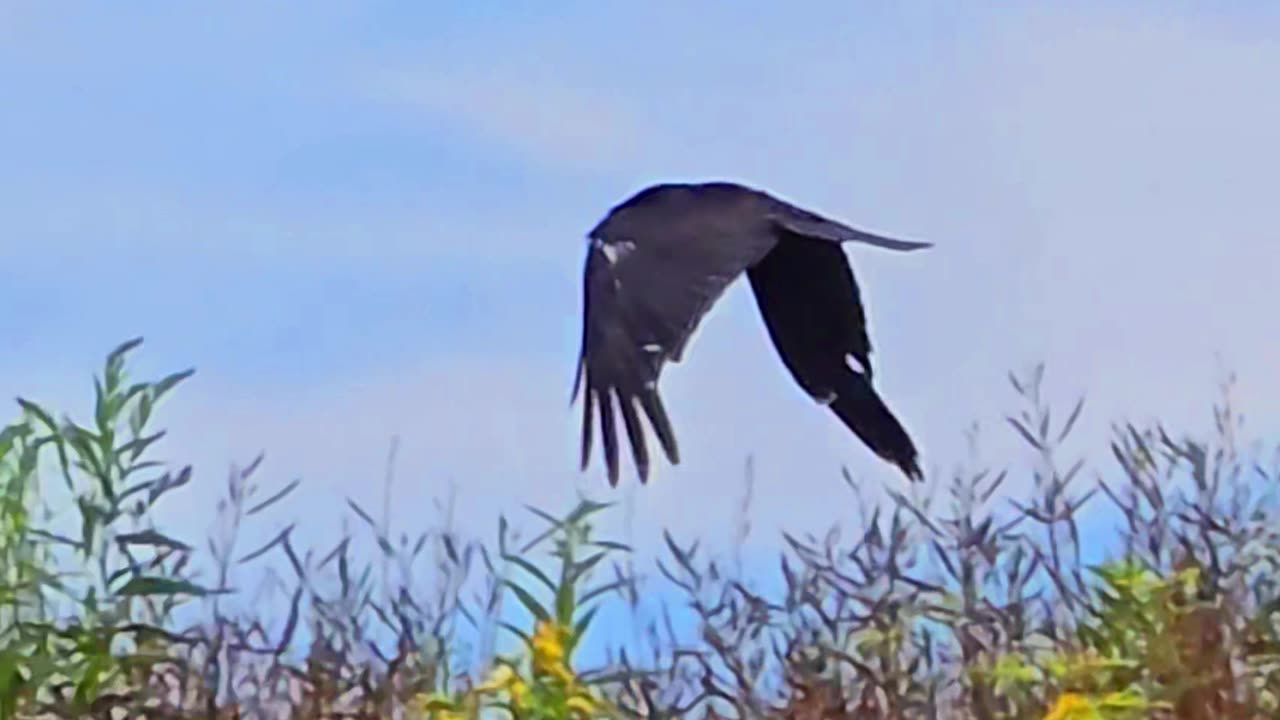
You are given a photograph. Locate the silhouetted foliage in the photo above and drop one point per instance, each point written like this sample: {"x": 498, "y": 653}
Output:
{"x": 962, "y": 598}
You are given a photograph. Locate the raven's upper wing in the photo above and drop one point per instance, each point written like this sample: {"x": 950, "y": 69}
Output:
{"x": 812, "y": 310}
{"x": 651, "y": 274}
{"x": 804, "y": 222}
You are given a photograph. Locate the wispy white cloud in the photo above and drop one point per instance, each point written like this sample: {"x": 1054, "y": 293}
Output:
{"x": 527, "y": 107}
{"x": 80, "y": 226}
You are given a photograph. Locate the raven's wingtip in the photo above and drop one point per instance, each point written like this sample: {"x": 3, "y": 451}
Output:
{"x": 911, "y": 469}
{"x": 904, "y": 245}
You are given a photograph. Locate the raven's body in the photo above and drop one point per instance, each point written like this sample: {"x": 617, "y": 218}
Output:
{"x": 659, "y": 260}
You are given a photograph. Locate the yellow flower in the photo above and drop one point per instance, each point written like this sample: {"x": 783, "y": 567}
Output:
{"x": 431, "y": 705}
{"x": 503, "y": 677}
{"x": 548, "y": 644}
{"x": 580, "y": 704}
{"x": 500, "y": 677}
{"x": 518, "y": 691}
{"x": 549, "y": 652}
{"x": 1072, "y": 706}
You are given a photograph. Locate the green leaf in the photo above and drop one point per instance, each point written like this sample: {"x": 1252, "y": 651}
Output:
{"x": 280, "y": 538}
{"x": 528, "y": 641}
{"x": 597, "y": 592}
{"x": 54, "y": 537}
{"x": 168, "y": 383}
{"x": 531, "y": 569}
{"x": 585, "y": 509}
{"x": 141, "y": 412}
{"x": 1025, "y": 433}
{"x": 274, "y": 498}
{"x": 151, "y": 585}
{"x": 12, "y": 433}
{"x": 152, "y": 538}
{"x": 90, "y": 515}
{"x": 85, "y": 443}
{"x": 290, "y": 624}
{"x": 552, "y": 520}
{"x": 620, "y": 676}
{"x": 565, "y": 601}
{"x": 115, "y": 359}
{"x": 102, "y": 406}
{"x": 40, "y": 414}
{"x": 1130, "y": 699}
{"x": 135, "y": 489}
{"x": 167, "y": 483}
{"x": 438, "y": 702}
{"x": 134, "y": 448}
{"x": 132, "y": 567}
{"x": 582, "y": 568}
{"x": 580, "y": 627}
{"x": 134, "y": 391}
{"x": 528, "y": 601}
{"x": 363, "y": 515}
{"x": 95, "y": 672}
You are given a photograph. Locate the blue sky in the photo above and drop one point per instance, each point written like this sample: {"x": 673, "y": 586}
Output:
{"x": 367, "y": 220}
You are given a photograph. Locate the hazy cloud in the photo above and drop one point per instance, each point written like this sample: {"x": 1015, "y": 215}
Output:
{"x": 526, "y": 108}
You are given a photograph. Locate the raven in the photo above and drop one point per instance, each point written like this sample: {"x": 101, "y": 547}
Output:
{"x": 658, "y": 261}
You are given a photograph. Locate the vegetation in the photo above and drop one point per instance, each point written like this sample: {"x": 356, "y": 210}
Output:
{"x": 958, "y": 603}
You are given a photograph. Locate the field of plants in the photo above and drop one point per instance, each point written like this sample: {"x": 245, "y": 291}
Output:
{"x": 973, "y": 602}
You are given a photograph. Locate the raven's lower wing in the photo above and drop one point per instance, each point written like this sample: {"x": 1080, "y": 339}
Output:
{"x": 812, "y": 310}
{"x": 644, "y": 295}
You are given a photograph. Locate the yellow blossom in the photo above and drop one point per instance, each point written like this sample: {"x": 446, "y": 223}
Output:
{"x": 549, "y": 652}
{"x": 548, "y": 644}
{"x": 429, "y": 706}
{"x": 581, "y": 704}
{"x": 501, "y": 677}
{"x": 518, "y": 691}
{"x": 1072, "y": 706}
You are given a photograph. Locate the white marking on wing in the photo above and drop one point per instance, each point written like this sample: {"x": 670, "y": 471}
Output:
{"x": 855, "y": 365}
{"x": 827, "y": 399}
{"x": 615, "y": 251}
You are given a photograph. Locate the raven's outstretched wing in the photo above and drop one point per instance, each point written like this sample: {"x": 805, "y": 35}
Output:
{"x": 813, "y": 312}
{"x": 810, "y": 224}
{"x": 654, "y": 267}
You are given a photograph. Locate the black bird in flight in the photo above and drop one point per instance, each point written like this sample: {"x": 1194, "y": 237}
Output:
{"x": 656, "y": 264}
